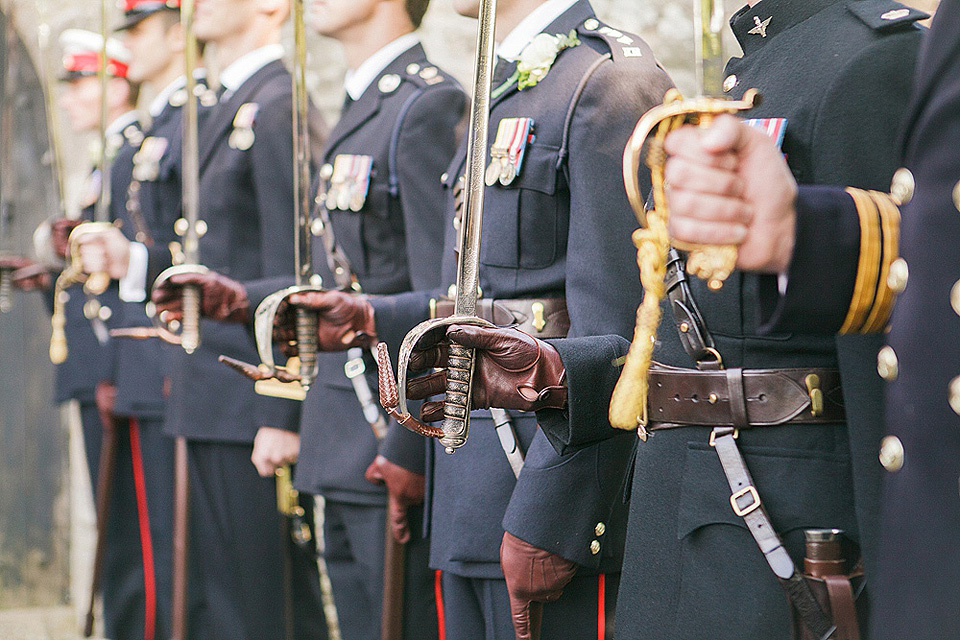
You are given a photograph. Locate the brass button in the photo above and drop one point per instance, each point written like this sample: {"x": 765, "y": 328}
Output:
{"x": 956, "y": 196}
{"x": 955, "y": 395}
{"x": 729, "y": 82}
{"x": 891, "y": 454}
{"x": 326, "y": 171}
{"x": 901, "y": 189}
{"x": 887, "y": 365}
{"x": 591, "y": 24}
{"x": 413, "y": 68}
{"x": 899, "y": 274}
{"x": 955, "y": 297}
{"x": 595, "y": 547}
{"x": 600, "y": 529}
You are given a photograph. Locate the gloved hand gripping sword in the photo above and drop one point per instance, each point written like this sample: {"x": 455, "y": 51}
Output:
{"x": 94, "y": 284}
{"x": 628, "y": 407}
{"x": 456, "y": 412}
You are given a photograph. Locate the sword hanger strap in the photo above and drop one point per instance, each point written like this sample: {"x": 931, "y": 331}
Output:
{"x": 691, "y": 327}
{"x": 354, "y": 369}
{"x": 745, "y": 502}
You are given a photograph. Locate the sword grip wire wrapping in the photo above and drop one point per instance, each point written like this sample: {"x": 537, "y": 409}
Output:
{"x": 190, "y": 333}
{"x": 307, "y": 324}
{"x": 6, "y": 290}
{"x": 456, "y": 406}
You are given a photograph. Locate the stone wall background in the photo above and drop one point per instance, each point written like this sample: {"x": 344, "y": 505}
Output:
{"x": 41, "y": 562}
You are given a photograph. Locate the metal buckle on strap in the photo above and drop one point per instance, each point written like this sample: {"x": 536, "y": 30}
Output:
{"x": 754, "y": 504}
{"x": 713, "y": 436}
{"x": 354, "y": 367}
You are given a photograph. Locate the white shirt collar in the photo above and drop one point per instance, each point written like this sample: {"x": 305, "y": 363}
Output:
{"x": 240, "y": 70}
{"x": 159, "y": 102}
{"x": 121, "y": 123}
{"x": 535, "y": 22}
{"x": 357, "y": 80}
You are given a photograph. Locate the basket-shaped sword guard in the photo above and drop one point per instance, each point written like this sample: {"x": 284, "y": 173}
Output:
{"x": 628, "y": 406}
{"x": 185, "y": 333}
{"x": 393, "y": 393}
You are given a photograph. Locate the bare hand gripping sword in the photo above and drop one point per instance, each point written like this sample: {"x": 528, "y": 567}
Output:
{"x": 456, "y": 408}
{"x": 628, "y": 407}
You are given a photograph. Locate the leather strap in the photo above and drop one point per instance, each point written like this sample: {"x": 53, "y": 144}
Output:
{"x": 746, "y": 503}
{"x": 842, "y": 606}
{"x": 542, "y": 318}
{"x": 691, "y": 328}
{"x": 354, "y": 369}
{"x": 742, "y": 397}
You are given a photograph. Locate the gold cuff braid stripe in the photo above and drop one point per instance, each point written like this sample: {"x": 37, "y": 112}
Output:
{"x": 868, "y": 268}
{"x": 885, "y": 296}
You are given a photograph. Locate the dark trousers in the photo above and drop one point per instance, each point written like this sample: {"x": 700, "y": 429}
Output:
{"x": 239, "y": 557}
{"x": 354, "y": 539}
{"x": 137, "y": 561}
{"x": 479, "y": 609}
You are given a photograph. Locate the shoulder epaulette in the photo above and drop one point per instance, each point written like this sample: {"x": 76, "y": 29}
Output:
{"x": 622, "y": 45}
{"x": 885, "y": 15}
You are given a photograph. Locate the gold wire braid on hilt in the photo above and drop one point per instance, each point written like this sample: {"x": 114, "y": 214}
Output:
{"x": 72, "y": 274}
{"x": 186, "y": 333}
{"x": 628, "y": 407}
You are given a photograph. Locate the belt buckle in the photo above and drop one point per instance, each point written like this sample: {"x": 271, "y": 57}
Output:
{"x": 713, "y": 436}
{"x": 753, "y": 506}
{"x": 354, "y": 367}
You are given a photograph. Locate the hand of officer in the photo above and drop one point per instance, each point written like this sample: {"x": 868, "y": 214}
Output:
{"x": 221, "y": 298}
{"x": 60, "y": 230}
{"x": 405, "y": 489}
{"x": 345, "y": 320}
{"x": 533, "y": 576}
{"x": 513, "y": 370}
{"x": 273, "y": 448}
{"x": 26, "y": 274}
{"x": 729, "y": 184}
{"x": 105, "y": 251}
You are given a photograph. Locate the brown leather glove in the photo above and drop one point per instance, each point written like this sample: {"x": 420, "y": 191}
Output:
{"x": 345, "y": 320}
{"x": 105, "y": 395}
{"x": 533, "y": 576}
{"x": 513, "y": 370}
{"x": 405, "y": 489}
{"x": 60, "y": 230}
{"x": 26, "y": 274}
{"x": 221, "y": 298}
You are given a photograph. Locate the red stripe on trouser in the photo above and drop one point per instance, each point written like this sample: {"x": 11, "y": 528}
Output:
{"x": 146, "y": 542}
{"x": 441, "y": 616}
{"x": 601, "y": 607}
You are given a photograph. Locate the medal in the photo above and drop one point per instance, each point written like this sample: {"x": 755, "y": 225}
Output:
{"x": 513, "y": 135}
{"x": 242, "y": 136}
{"x": 146, "y": 161}
{"x": 349, "y": 182}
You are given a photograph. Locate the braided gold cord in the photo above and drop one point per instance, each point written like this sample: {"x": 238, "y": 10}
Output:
{"x": 628, "y": 406}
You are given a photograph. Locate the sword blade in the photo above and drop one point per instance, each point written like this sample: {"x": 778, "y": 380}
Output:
{"x": 303, "y": 253}
{"x": 468, "y": 265}
{"x": 191, "y": 155}
{"x": 708, "y": 23}
{"x": 101, "y": 212}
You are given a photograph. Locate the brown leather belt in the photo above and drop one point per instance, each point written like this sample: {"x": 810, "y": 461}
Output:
{"x": 743, "y": 398}
{"x": 540, "y": 317}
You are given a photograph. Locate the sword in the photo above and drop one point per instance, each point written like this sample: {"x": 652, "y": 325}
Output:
{"x": 456, "y": 408}
{"x": 628, "y": 407}
{"x": 189, "y": 227}
{"x": 294, "y": 379}
{"x": 7, "y": 90}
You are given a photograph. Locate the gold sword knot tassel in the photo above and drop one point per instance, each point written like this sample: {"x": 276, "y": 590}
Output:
{"x": 628, "y": 406}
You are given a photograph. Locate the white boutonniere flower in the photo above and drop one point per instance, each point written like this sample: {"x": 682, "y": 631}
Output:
{"x": 535, "y": 60}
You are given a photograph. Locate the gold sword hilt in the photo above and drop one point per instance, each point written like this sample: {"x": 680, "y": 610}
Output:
{"x": 628, "y": 406}
{"x": 186, "y": 333}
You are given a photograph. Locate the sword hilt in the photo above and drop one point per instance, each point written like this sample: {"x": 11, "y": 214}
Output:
{"x": 456, "y": 405}
{"x": 307, "y": 323}
{"x": 6, "y": 289}
{"x": 190, "y": 332}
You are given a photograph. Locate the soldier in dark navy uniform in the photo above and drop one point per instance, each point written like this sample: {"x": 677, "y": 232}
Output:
{"x": 236, "y": 438}
{"x": 88, "y": 372}
{"x": 827, "y": 244}
{"x": 149, "y": 204}
{"x": 552, "y": 229}
{"x": 815, "y": 104}
{"x": 396, "y": 134}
